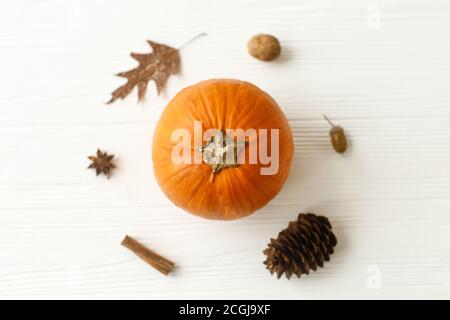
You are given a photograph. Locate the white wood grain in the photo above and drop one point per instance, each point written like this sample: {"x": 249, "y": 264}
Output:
{"x": 386, "y": 81}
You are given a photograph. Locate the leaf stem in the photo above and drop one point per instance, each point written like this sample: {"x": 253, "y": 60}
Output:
{"x": 193, "y": 39}
{"x": 328, "y": 120}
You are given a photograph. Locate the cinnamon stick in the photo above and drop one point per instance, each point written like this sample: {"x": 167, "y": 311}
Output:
{"x": 158, "y": 262}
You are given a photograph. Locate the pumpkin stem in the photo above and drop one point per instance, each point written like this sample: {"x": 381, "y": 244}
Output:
{"x": 218, "y": 150}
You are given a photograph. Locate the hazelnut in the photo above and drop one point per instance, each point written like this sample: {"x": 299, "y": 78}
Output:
{"x": 264, "y": 47}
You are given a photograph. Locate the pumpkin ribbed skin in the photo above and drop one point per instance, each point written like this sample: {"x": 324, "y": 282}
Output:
{"x": 233, "y": 192}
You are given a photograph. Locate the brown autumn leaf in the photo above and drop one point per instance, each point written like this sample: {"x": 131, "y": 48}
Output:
{"x": 158, "y": 66}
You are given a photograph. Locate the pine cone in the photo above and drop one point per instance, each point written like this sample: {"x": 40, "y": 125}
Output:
{"x": 304, "y": 245}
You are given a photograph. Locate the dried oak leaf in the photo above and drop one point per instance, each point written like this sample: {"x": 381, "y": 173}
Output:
{"x": 158, "y": 65}
{"x": 102, "y": 163}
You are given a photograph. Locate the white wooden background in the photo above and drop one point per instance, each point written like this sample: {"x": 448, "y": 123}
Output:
{"x": 379, "y": 68}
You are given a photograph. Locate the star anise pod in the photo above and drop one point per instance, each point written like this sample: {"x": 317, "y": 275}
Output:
{"x": 102, "y": 163}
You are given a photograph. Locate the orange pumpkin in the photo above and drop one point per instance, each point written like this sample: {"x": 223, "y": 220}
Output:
{"x": 236, "y": 190}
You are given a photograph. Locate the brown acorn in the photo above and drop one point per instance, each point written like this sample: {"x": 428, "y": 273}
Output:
{"x": 338, "y": 138}
{"x": 303, "y": 246}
